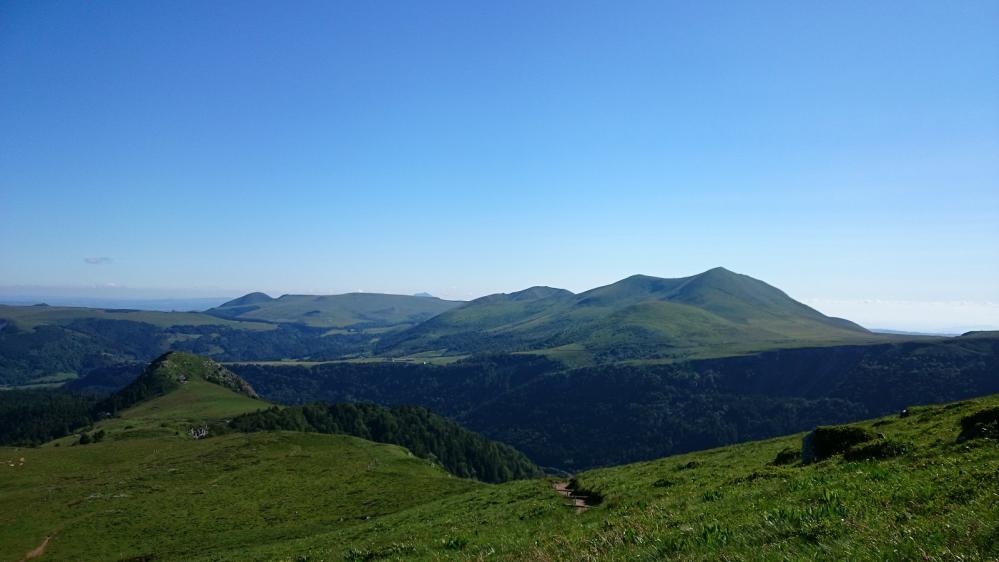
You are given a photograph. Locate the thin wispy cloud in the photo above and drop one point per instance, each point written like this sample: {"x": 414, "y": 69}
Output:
{"x": 100, "y": 260}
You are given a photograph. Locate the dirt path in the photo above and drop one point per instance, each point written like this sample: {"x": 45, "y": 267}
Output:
{"x": 38, "y": 551}
{"x": 577, "y": 501}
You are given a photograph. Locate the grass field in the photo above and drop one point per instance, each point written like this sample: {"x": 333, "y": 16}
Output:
{"x": 295, "y": 496}
{"x": 938, "y": 501}
{"x": 182, "y": 499}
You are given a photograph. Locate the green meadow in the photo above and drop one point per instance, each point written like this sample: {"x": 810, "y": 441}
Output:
{"x": 150, "y": 492}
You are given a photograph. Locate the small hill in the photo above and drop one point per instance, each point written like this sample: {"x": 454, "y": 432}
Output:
{"x": 247, "y": 299}
{"x": 172, "y": 371}
{"x": 714, "y": 313}
{"x": 357, "y": 311}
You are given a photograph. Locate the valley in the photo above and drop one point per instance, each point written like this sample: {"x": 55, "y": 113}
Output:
{"x": 922, "y": 485}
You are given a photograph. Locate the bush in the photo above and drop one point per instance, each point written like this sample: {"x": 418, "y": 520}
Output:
{"x": 825, "y": 442}
{"x": 983, "y": 424}
{"x": 787, "y": 455}
{"x": 878, "y": 450}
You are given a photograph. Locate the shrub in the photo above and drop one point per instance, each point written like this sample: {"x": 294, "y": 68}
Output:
{"x": 825, "y": 442}
{"x": 982, "y": 424}
{"x": 878, "y": 450}
{"x": 787, "y": 455}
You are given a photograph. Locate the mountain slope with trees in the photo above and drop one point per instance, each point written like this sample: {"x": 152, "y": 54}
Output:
{"x": 611, "y": 414}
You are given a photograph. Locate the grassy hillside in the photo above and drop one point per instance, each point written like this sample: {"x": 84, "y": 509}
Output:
{"x": 938, "y": 499}
{"x": 147, "y": 488}
{"x": 912, "y": 490}
{"x": 715, "y": 313}
{"x": 171, "y": 498}
{"x": 359, "y": 311}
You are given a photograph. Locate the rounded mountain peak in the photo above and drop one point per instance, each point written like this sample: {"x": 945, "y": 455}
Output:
{"x": 249, "y": 298}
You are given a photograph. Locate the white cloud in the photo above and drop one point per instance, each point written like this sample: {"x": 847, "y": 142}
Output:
{"x": 98, "y": 260}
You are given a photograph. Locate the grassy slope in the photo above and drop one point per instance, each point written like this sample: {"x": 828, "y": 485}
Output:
{"x": 150, "y": 489}
{"x": 339, "y": 311}
{"x": 182, "y": 499}
{"x": 940, "y": 501}
{"x": 290, "y": 496}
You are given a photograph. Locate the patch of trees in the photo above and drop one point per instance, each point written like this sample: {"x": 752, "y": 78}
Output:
{"x": 32, "y": 417}
{"x": 88, "y": 438}
{"x": 450, "y": 390}
{"x": 80, "y": 347}
{"x": 106, "y": 379}
{"x": 427, "y": 435}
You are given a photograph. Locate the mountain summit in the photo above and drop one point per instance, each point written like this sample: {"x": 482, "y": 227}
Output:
{"x": 717, "y": 312}
{"x": 172, "y": 371}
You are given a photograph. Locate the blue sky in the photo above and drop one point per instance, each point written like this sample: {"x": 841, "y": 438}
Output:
{"x": 846, "y": 152}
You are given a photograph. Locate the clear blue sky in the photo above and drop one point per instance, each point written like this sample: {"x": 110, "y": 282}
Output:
{"x": 843, "y": 151}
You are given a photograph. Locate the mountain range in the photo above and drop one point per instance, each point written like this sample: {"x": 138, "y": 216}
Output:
{"x": 714, "y": 313}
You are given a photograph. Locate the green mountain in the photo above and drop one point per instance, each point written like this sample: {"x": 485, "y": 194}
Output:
{"x": 922, "y": 485}
{"x": 715, "y": 313}
{"x": 356, "y": 311}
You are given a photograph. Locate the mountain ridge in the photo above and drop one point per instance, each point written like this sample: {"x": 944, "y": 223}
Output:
{"x": 348, "y": 310}
{"x": 714, "y": 309}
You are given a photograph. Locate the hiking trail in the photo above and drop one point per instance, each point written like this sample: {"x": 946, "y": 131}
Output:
{"x": 578, "y": 501}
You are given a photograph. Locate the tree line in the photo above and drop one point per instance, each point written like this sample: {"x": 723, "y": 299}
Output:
{"x": 427, "y": 435}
